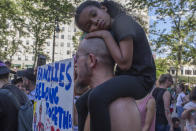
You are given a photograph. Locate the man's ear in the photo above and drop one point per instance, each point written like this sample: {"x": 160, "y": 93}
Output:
{"x": 92, "y": 60}
{"x": 104, "y": 8}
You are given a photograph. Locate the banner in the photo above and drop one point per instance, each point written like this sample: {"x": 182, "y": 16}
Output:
{"x": 53, "y": 108}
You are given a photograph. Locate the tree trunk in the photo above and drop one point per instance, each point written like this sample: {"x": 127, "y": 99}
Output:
{"x": 179, "y": 56}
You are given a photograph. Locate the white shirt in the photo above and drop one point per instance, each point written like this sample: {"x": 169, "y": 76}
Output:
{"x": 180, "y": 99}
{"x": 31, "y": 95}
{"x": 191, "y": 124}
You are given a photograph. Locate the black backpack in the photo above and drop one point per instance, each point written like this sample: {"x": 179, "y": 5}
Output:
{"x": 25, "y": 112}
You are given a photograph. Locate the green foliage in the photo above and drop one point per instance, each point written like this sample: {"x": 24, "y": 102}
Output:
{"x": 178, "y": 41}
{"x": 11, "y": 24}
{"x": 30, "y": 18}
{"x": 162, "y": 66}
{"x": 42, "y": 17}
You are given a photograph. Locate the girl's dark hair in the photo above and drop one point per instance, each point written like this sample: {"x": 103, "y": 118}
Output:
{"x": 193, "y": 94}
{"x": 113, "y": 8}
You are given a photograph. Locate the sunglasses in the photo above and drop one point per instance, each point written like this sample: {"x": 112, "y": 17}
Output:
{"x": 76, "y": 56}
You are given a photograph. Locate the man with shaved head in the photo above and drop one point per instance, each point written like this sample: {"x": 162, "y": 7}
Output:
{"x": 94, "y": 66}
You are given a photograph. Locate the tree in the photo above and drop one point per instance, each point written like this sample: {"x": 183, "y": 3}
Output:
{"x": 180, "y": 39}
{"x": 177, "y": 42}
{"x": 162, "y": 66}
{"x": 41, "y": 18}
{"x": 11, "y": 24}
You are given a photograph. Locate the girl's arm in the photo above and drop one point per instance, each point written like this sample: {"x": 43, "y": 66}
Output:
{"x": 150, "y": 113}
{"x": 121, "y": 54}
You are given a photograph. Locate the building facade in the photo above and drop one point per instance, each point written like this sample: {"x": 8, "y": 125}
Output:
{"x": 64, "y": 47}
{"x": 185, "y": 70}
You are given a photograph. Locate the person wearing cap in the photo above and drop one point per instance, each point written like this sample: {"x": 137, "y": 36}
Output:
{"x": 8, "y": 108}
{"x": 29, "y": 81}
{"x": 4, "y": 74}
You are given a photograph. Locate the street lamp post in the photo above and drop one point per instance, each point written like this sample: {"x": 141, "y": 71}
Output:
{"x": 56, "y": 29}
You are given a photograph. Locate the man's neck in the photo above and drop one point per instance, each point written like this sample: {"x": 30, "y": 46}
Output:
{"x": 99, "y": 78}
{"x": 162, "y": 86}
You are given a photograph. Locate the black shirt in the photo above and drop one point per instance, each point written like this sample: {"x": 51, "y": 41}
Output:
{"x": 143, "y": 63}
{"x": 160, "y": 109}
{"x": 8, "y": 108}
{"x": 8, "y": 114}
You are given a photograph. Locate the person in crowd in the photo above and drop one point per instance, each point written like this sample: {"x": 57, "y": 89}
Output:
{"x": 181, "y": 99}
{"x": 176, "y": 124}
{"x": 29, "y": 82}
{"x": 8, "y": 64}
{"x": 94, "y": 66}
{"x": 8, "y": 108}
{"x": 162, "y": 98}
{"x": 189, "y": 113}
{"x": 129, "y": 48}
{"x": 147, "y": 108}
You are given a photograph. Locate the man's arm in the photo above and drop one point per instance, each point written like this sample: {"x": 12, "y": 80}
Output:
{"x": 150, "y": 113}
{"x": 166, "y": 100}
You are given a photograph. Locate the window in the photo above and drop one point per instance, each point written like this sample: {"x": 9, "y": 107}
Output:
{"x": 68, "y": 44}
{"x": 63, "y": 29}
{"x": 5, "y": 48}
{"x": 68, "y": 52}
{"x": 33, "y": 58}
{"x": 194, "y": 72}
{"x": 19, "y": 57}
{"x": 27, "y": 42}
{"x": 26, "y": 58}
{"x": 181, "y": 72}
{"x": 188, "y": 72}
{"x": 69, "y": 28}
{"x": 173, "y": 72}
{"x": 69, "y": 37}
{"x": 48, "y": 43}
{"x": 62, "y": 44}
{"x": 74, "y": 29}
{"x": 62, "y": 36}
{"x": 56, "y": 44}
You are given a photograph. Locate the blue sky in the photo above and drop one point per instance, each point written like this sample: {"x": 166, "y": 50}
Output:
{"x": 160, "y": 26}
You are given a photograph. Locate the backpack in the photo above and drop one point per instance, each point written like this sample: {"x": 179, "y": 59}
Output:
{"x": 25, "y": 112}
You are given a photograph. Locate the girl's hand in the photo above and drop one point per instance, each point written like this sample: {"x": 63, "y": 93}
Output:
{"x": 101, "y": 34}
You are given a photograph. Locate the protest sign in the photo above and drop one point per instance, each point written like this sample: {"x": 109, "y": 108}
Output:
{"x": 53, "y": 108}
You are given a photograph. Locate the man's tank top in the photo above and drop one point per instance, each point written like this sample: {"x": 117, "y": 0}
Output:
{"x": 160, "y": 109}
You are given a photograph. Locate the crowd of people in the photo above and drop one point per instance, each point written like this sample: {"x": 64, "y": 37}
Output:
{"x": 114, "y": 78}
